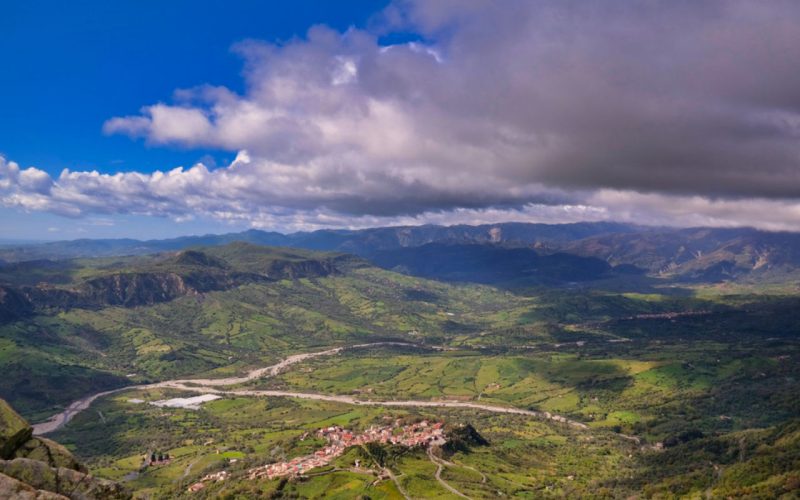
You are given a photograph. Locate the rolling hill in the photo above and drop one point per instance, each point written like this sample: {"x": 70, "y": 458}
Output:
{"x": 100, "y": 323}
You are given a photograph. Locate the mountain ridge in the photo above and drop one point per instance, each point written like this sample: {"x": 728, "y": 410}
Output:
{"x": 678, "y": 254}
{"x": 165, "y": 277}
{"x": 359, "y": 241}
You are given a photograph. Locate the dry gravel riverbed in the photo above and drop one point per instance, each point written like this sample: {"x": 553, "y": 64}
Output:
{"x": 212, "y": 387}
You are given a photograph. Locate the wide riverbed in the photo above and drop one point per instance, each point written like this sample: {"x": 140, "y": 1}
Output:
{"x": 212, "y": 386}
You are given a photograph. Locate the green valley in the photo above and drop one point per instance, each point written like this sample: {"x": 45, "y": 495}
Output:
{"x": 400, "y": 250}
{"x": 673, "y": 390}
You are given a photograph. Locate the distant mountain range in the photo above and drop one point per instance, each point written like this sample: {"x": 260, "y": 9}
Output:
{"x": 500, "y": 253}
{"x": 492, "y": 264}
{"x": 360, "y": 242}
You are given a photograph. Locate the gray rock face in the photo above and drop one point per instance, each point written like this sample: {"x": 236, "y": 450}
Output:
{"x": 49, "y": 452}
{"x": 37, "y": 468}
{"x": 14, "y": 489}
{"x": 14, "y": 431}
{"x": 68, "y": 483}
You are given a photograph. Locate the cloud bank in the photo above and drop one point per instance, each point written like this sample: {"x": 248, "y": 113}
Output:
{"x": 679, "y": 113}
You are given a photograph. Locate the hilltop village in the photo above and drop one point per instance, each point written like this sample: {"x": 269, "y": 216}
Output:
{"x": 424, "y": 433}
{"x": 339, "y": 439}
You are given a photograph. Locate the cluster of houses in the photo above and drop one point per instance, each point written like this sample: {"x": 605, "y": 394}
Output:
{"x": 423, "y": 433}
{"x": 209, "y": 478}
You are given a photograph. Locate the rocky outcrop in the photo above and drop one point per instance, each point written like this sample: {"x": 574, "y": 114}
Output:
{"x": 14, "y": 431}
{"x": 186, "y": 273}
{"x": 463, "y": 438}
{"x": 49, "y": 452}
{"x": 282, "y": 269}
{"x": 70, "y": 483}
{"x": 124, "y": 289}
{"x": 50, "y": 297}
{"x": 16, "y": 489}
{"x": 37, "y": 468}
{"x": 133, "y": 289}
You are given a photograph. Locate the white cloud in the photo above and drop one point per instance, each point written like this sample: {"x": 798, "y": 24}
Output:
{"x": 345, "y": 71}
{"x": 165, "y": 124}
{"x": 652, "y": 112}
{"x": 238, "y": 194}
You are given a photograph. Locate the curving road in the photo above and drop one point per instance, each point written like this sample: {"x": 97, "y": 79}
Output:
{"x": 211, "y": 386}
{"x": 440, "y": 464}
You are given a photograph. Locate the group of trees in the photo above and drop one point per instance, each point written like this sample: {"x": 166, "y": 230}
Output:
{"x": 156, "y": 457}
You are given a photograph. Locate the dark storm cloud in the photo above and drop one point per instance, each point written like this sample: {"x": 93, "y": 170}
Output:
{"x": 685, "y": 97}
{"x": 604, "y": 109}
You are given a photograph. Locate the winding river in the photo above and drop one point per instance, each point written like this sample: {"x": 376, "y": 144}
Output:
{"x": 212, "y": 386}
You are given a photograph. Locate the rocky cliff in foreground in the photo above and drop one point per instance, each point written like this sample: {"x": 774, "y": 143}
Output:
{"x": 37, "y": 468}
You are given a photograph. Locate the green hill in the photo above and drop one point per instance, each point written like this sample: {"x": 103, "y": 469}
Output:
{"x": 120, "y": 321}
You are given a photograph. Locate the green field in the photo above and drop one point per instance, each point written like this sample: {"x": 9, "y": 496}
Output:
{"x": 685, "y": 392}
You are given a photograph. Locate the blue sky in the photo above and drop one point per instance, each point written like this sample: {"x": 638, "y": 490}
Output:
{"x": 152, "y": 119}
{"x": 70, "y": 66}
